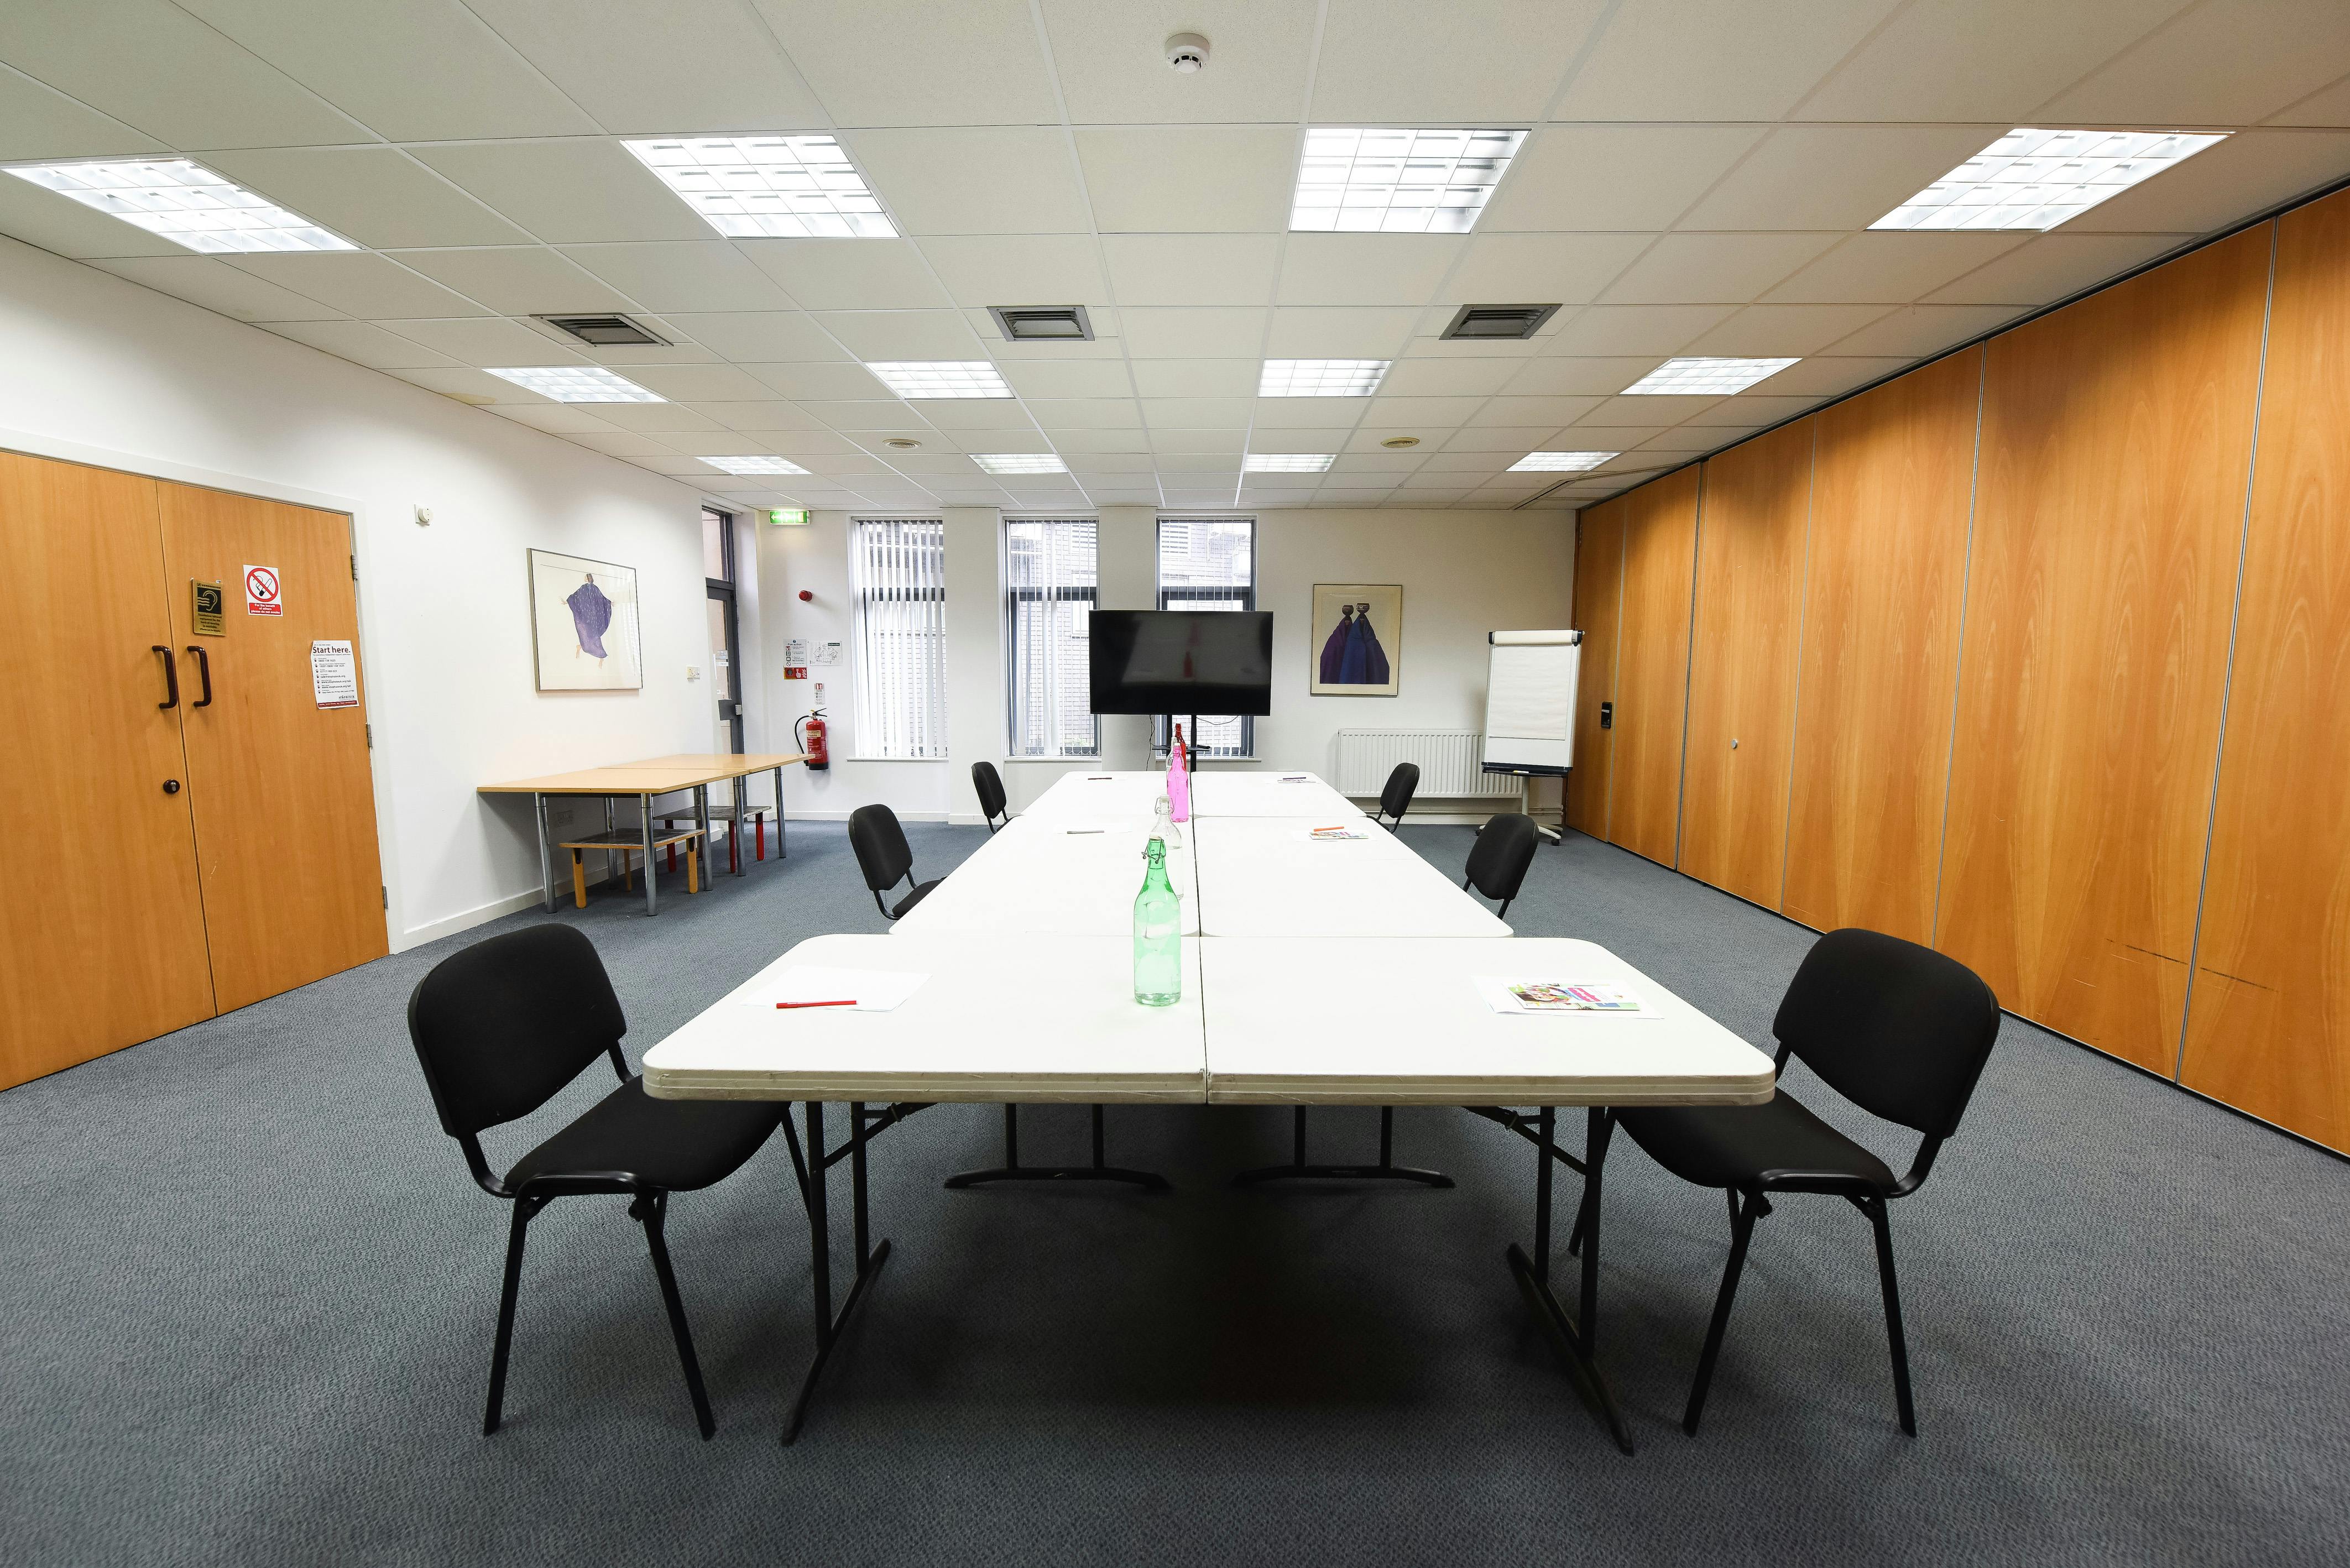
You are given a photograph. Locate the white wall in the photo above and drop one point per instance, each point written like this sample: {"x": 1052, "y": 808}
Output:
{"x": 1464, "y": 573}
{"x": 98, "y": 369}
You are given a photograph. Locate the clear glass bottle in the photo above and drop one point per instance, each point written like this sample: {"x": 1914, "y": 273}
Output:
{"x": 1158, "y": 934}
{"x": 1163, "y": 823}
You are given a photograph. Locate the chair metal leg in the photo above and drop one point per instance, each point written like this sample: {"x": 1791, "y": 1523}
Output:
{"x": 1901, "y": 1346}
{"x": 1386, "y": 1170}
{"x": 522, "y": 1210}
{"x": 651, "y": 1210}
{"x": 1012, "y": 1171}
{"x": 1741, "y": 1229}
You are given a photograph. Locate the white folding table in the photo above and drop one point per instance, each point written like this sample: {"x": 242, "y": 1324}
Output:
{"x": 1054, "y": 876}
{"x": 1269, "y": 877}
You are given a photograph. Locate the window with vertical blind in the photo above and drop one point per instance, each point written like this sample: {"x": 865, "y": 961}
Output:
{"x": 1209, "y": 564}
{"x": 897, "y": 571}
{"x": 1050, "y": 588}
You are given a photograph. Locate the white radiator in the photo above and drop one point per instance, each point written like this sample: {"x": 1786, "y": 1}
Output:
{"x": 1450, "y": 762}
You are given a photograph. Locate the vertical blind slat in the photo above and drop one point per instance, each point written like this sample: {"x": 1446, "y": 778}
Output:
{"x": 898, "y": 571}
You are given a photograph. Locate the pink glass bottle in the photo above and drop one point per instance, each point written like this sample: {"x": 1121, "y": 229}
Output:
{"x": 1178, "y": 778}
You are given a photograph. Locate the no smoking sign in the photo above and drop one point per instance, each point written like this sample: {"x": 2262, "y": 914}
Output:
{"x": 261, "y": 591}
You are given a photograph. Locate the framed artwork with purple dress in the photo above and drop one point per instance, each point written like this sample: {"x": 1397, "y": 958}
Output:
{"x": 583, "y": 619}
{"x": 1358, "y": 640}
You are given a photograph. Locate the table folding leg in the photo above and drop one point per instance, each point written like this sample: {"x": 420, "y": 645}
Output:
{"x": 1012, "y": 1171}
{"x": 1386, "y": 1170}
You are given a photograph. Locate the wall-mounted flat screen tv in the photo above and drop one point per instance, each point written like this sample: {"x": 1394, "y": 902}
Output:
{"x": 1181, "y": 661}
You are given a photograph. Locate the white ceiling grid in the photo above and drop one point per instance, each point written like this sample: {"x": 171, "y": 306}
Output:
{"x": 1697, "y": 180}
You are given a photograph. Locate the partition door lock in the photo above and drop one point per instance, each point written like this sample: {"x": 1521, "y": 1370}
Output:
{"x": 1607, "y": 715}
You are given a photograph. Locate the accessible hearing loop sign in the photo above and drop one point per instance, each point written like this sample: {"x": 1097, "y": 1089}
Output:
{"x": 261, "y": 591}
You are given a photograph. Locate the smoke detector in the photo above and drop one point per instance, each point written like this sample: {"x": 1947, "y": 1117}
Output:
{"x": 1187, "y": 52}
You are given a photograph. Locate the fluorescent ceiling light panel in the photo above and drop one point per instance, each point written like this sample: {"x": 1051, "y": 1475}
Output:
{"x": 754, "y": 464}
{"x": 2038, "y": 179}
{"x": 768, "y": 186}
{"x": 1561, "y": 461}
{"x": 941, "y": 377}
{"x": 1704, "y": 377}
{"x": 1386, "y": 182}
{"x": 1019, "y": 463}
{"x": 1320, "y": 377}
{"x": 1287, "y": 461}
{"x": 184, "y": 202}
{"x": 578, "y": 384}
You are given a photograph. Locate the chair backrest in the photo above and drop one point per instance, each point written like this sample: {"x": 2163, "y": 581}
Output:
{"x": 1498, "y": 860}
{"x": 1900, "y": 1031}
{"x": 882, "y": 853}
{"x": 1402, "y": 783}
{"x": 990, "y": 785}
{"x": 502, "y": 1025}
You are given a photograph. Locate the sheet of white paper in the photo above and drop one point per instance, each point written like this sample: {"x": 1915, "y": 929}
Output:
{"x": 872, "y": 989}
{"x": 334, "y": 675}
{"x": 1496, "y": 993}
{"x": 1343, "y": 835}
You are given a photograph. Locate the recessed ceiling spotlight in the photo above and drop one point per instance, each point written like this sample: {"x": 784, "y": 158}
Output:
{"x": 2031, "y": 179}
{"x": 1703, "y": 378}
{"x": 1020, "y": 463}
{"x": 902, "y": 443}
{"x": 1187, "y": 52}
{"x": 1320, "y": 377}
{"x": 767, "y": 187}
{"x": 578, "y": 384}
{"x": 1287, "y": 461}
{"x": 1399, "y": 442}
{"x": 918, "y": 379}
{"x": 754, "y": 464}
{"x": 1561, "y": 461}
{"x": 1388, "y": 181}
{"x": 184, "y": 202}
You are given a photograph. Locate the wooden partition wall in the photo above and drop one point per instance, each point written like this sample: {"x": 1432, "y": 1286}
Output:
{"x": 2033, "y": 655}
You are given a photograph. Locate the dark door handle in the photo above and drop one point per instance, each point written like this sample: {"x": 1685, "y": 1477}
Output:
{"x": 171, "y": 787}
{"x": 205, "y": 669}
{"x": 171, "y": 680}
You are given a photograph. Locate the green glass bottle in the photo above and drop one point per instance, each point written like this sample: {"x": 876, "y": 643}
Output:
{"x": 1158, "y": 934}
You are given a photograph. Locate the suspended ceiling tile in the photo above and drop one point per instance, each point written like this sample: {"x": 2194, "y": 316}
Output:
{"x": 2326, "y": 107}
{"x": 1092, "y": 441}
{"x": 1468, "y": 62}
{"x": 754, "y": 336}
{"x": 1190, "y": 179}
{"x": 912, "y": 62}
{"x": 517, "y": 280}
{"x": 2050, "y": 266}
{"x": 1581, "y": 375}
{"x": 1200, "y": 333}
{"x": 974, "y": 180}
{"x": 653, "y": 419}
{"x": 1893, "y": 266}
{"x": 1157, "y": 379}
{"x": 702, "y": 275}
{"x": 1755, "y": 62}
{"x": 39, "y": 122}
{"x": 1197, "y": 413}
{"x": 1626, "y": 330}
{"x": 1112, "y": 62}
{"x": 2250, "y": 170}
{"x": 1018, "y": 269}
{"x": 357, "y": 282}
{"x": 1962, "y": 60}
{"x": 1836, "y": 177}
{"x": 410, "y": 70}
{"x": 362, "y": 343}
{"x": 1337, "y": 332}
{"x": 623, "y": 444}
{"x": 1308, "y": 413}
{"x": 1472, "y": 463}
{"x": 1781, "y": 331}
{"x": 1750, "y": 410}
{"x": 683, "y": 65}
{"x": 1917, "y": 331}
{"x": 881, "y": 335}
{"x": 1571, "y": 178}
{"x": 478, "y": 388}
{"x": 486, "y": 340}
{"x": 553, "y": 418}
{"x": 1448, "y": 377}
{"x": 2222, "y": 62}
{"x": 1069, "y": 379}
{"x": 1441, "y": 412}
{"x": 218, "y": 286}
{"x": 1647, "y": 410}
{"x": 1232, "y": 441}
{"x": 1192, "y": 269}
{"x": 702, "y": 384}
{"x": 65, "y": 227}
{"x": 1086, "y": 413}
{"x": 1366, "y": 269}
{"x": 1524, "y": 269}
{"x": 1502, "y": 438}
{"x": 568, "y": 193}
{"x": 848, "y": 275}
{"x": 957, "y": 414}
{"x": 154, "y": 67}
{"x": 1819, "y": 376}
{"x": 769, "y": 416}
{"x": 1714, "y": 269}
{"x": 379, "y": 196}
{"x": 1521, "y": 411}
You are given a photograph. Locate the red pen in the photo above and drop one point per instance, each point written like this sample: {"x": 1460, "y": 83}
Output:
{"x": 850, "y": 1003}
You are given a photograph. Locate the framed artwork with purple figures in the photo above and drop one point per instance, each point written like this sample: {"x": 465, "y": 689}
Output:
{"x": 583, "y": 622}
{"x": 1357, "y": 639}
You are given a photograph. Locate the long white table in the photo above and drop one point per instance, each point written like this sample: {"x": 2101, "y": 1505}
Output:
{"x": 1329, "y": 974}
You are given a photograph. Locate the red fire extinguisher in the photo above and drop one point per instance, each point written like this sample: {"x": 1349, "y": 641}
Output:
{"x": 809, "y": 733}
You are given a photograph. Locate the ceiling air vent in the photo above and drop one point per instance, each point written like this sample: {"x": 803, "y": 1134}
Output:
{"x": 1024, "y": 323}
{"x": 604, "y": 329}
{"x": 1499, "y": 320}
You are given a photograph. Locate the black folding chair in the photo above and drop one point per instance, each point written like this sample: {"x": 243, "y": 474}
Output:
{"x": 504, "y": 1025}
{"x": 1396, "y": 798}
{"x": 1499, "y": 858}
{"x": 885, "y": 857}
{"x": 990, "y": 785}
{"x": 1898, "y": 1030}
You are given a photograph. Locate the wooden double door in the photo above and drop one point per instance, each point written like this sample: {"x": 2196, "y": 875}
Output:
{"x": 192, "y": 830}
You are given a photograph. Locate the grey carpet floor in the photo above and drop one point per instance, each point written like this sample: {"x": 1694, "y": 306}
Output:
{"x": 246, "y": 1293}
